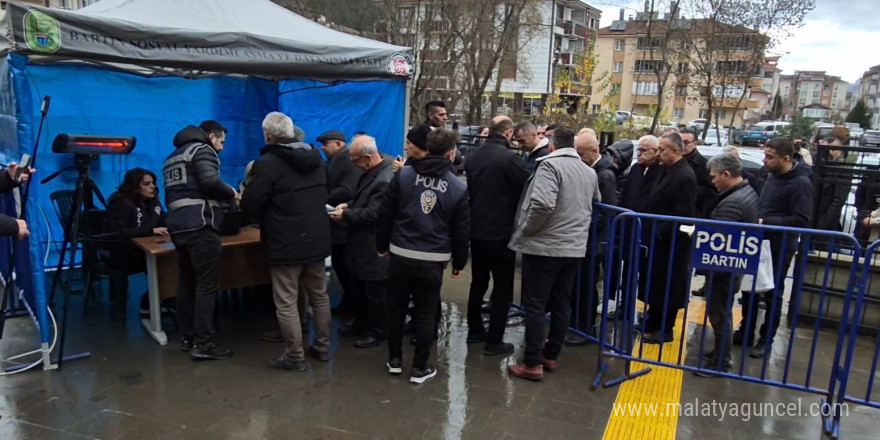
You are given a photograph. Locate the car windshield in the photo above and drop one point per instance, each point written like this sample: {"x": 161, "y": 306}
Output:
{"x": 755, "y": 128}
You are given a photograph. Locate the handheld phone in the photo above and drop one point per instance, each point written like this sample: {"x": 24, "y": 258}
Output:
{"x": 330, "y": 208}
{"x": 23, "y": 165}
{"x": 399, "y": 158}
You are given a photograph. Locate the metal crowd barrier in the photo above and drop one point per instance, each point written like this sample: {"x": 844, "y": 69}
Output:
{"x": 858, "y": 372}
{"x": 655, "y": 265}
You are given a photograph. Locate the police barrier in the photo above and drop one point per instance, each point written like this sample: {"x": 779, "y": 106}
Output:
{"x": 657, "y": 257}
{"x": 859, "y": 368}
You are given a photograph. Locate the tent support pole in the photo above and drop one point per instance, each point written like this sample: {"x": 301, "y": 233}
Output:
{"x": 406, "y": 104}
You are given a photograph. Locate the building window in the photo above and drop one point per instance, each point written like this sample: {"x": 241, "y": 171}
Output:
{"x": 649, "y": 66}
{"x": 722, "y": 115}
{"x": 683, "y": 68}
{"x": 815, "y": 93}
{"x": 729, "y": 91}
{"x": 645, "y": 88}
{"x": 618, "y": 44}
{"x": 649, "y": 43}
{"x": 768, "y": 74}
{"x": 618, "y": 66}
{"x": 596, "y": 108}
{"x": 531, "y": 106}
{"x": 678, "y": 113}
{"x": 615, "y": 88}
{"x": 681, "y": 91}
{"x": 594, "y": 24}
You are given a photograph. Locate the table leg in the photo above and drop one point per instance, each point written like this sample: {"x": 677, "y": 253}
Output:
{"x": 153, "y": 325}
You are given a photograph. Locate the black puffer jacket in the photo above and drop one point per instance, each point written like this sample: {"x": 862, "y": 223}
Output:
{"x": 206, "y": 165}
{"x": 737, "y": 204}
{"x": 288, "y": 193}
{"x": 606, "y": 171}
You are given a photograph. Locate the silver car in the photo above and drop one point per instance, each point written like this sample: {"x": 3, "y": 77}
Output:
{"x": 871, "y": 138}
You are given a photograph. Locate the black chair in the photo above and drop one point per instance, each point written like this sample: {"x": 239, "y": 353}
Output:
{"x": 93, "y": 268}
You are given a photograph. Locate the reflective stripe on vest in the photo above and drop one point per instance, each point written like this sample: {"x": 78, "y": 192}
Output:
{"x": 419, "y": 255}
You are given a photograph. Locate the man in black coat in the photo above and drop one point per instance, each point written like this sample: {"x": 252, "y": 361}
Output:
{"x": 786, "y": 200}
{"x": 288, "y": 194}
{"x": 585, "y": 298}
{"x": 705, "y": 190}
{"x": 674, "y": 195}
{"x": 342, "y": 180}
{"x": 737, "y": 202}
{"x": 496, "y": 178}
{"x": 369, "y": 271}
{"x": 526, "y": 136}
{"x": 643, "y": 176}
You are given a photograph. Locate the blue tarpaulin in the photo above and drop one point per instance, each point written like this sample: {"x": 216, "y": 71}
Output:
{"x": 101, "y": 101}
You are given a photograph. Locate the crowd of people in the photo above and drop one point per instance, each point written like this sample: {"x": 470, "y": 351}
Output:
{"x": 391, "y": 226}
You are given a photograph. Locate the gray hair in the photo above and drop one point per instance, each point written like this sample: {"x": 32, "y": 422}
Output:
{"x": 650, "y": 139}
{"x": 368, "y": 145}
{"x": 298, "y": 133}
{"x": 726, "y": 162}
{"x": 277, "y": 125}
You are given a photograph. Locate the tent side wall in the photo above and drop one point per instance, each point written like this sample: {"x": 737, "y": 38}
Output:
{"x": 374, "y": 107}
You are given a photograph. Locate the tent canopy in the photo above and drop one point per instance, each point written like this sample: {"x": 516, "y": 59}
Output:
{"x": 213, "y": 36}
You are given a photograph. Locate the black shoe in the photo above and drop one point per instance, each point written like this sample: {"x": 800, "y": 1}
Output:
{"x": 169, "y": 305}
{"x": 701, "y": 292}
{"x": 502, "y": 348}
{"x": 573, "y": 340}
{"x": 367, "y": 342}
{"x": 713, "y": 372}
{"x": 163, "y": 306}
{"x": 476, "y": 337}
{"x": 350, "y": 331}
{"x": 709, "y": 356}
{"x": 422, "y": 375}
{"x": 186, "y": 343}
{"x": 757, "y": 351}
{"x": 658, "y": 338}
{"x": 739, "y": 339}
{"x": 210, "y": 351}
{"x": 395, "y": 366}
{"x": 320, "y": 356}
{"x": 283, "y": 363}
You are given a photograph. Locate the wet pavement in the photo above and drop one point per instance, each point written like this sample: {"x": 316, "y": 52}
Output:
{"x": 131, "y": 388}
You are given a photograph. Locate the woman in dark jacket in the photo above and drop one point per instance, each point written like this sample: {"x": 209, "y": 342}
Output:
{"x": 134, "y": 211}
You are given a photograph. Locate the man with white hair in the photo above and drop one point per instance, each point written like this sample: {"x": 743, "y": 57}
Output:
{"x": 369, "y": 271}
{"x": 643, "y": 176}
{"x": 287, "y": 192}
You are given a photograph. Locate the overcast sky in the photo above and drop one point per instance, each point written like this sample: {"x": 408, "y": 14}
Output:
{"x": 842, "y": 38}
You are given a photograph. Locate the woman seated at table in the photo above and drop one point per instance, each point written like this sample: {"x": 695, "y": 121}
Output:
{"x": 134, "y": 211}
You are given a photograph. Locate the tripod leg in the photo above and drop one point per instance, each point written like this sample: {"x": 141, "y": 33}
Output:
{"x": 57, "y": 277}
{"x": 74, "y": 241}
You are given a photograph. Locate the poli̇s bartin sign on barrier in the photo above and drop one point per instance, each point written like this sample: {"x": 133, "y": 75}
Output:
{"x": 727, "y": 249}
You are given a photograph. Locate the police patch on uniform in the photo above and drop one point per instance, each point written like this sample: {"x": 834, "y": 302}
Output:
{"x": 175, "y": 174}
{"x": 428, "y": 199}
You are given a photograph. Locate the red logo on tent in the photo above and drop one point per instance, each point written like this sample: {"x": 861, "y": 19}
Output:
{"x": 400, "y": 65}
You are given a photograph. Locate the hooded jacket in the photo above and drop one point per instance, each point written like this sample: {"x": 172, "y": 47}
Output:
{"x": 193, "y": 189}
{"x": 787, "y": 199}
{"x": 427, "y": 213}
{"x": 288, "y": 193}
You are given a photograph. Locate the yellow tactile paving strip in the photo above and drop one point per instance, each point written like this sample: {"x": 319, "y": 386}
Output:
{"x": 660, "y": 387}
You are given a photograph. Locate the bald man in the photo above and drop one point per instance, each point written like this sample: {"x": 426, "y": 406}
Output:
{"x": 496, "y": 178}
{"x": 587, "y": 130}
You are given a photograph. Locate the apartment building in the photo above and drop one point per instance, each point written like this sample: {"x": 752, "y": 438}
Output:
{"x": 870, "y": 92}
{"x": 825, "y": 95}
{"x": 63, "y": 4}
{"x": 629, "y": 49}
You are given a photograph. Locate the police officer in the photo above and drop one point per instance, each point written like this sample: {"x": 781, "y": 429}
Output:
{"x": 194, "y": 195}
{"x": 429, "y": 214}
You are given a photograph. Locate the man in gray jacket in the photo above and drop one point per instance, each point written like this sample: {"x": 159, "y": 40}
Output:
{"x": 736, "y": 202}
{"x": 551, "y": 229}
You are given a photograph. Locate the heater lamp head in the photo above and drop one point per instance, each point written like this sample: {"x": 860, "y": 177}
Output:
{"x": 89, "y": 144}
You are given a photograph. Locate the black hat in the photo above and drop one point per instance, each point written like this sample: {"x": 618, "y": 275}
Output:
{"x": 418, "y": 135}
{"x": 332, "y": 135}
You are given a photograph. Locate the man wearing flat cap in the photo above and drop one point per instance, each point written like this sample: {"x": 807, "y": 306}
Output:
{"x": 342, "y": 180}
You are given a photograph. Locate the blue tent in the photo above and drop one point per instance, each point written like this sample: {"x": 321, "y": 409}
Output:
{"x": 147, "y": 68}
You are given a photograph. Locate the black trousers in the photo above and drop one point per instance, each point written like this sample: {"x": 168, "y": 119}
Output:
{"x": 198, "y": 260}
{"x": 421, "y": 281}
{"x": 344, "y": 276}
{"x": 491, "y": 259}
{"x": 720, "y": 299}
{"x": 546, "y": 285}
{"x": 772, "y": 300}
{"x": 370, "y": 306}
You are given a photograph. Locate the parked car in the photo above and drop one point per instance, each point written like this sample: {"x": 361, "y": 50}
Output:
{"x": 712, "y": 137}
{"x": 752, "y": 158}
{"x": 856, "y": 133}
{"x": 697, "y": 124}
{"x": 871, "y": 138}
{"x": 762, "y": 132}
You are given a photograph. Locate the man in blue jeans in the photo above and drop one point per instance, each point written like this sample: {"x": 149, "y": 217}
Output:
{"x": 551, "y": 230}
